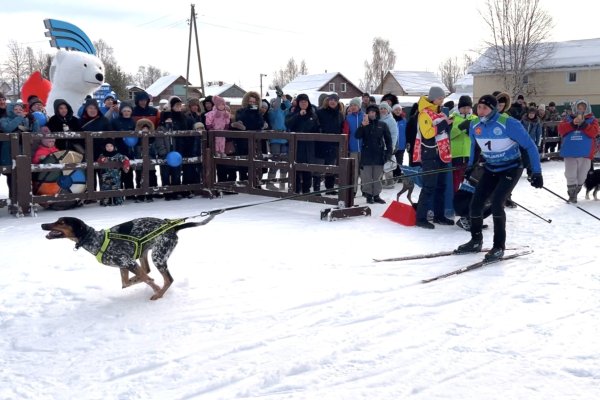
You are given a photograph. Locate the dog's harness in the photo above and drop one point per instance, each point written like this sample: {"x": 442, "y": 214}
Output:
{"x": 137, "y": 242}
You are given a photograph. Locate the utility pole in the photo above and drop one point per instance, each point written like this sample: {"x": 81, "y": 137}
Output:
{"x": 261, "y": 76}
{"x": 192, "y": 22}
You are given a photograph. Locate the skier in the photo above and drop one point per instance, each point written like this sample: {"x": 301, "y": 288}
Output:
{"x": 498, "y": 137}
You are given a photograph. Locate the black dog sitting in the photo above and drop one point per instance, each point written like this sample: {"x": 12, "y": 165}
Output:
{"x": 592, "y": 182}
{"x": 123, "y": 245}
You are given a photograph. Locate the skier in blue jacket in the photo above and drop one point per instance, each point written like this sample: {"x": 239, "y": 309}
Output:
{"x": 498, "y": 137}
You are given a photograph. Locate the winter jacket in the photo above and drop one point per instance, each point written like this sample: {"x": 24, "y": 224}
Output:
{"x": 499, "y": 138}
{"x": 42, "y": 152}
{"x": 393, "y": 128}
{"x": 217, "y": 120}
{"x": 147, "y": 112}
{"x": 579, "y": 141}
{"x": 430, "y": 123}
{"x": 56, "y": 123}
{"x": 460, "y": 143}
{"x": 308, "y": 123}
{"x": 331, "y": 121}
{"x": 376, "y": 142}
{"x": 354, "y": 120}
{"x": 533, "y": 128}
{"x": 401, "y": 123}
{"x": 13, "y": 123}
{"x": 183, "y": 144}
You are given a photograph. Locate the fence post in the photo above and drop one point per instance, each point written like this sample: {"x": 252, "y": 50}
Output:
{"x": 22, "y": 180}
{"x": 346, "y": 180}
{"x": 208, "y": 164}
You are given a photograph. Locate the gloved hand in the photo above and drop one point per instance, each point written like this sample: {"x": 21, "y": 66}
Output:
{"x": 468, "y": 172}
{"x": 537, "y": 181}
{"x": 126, "y": 165}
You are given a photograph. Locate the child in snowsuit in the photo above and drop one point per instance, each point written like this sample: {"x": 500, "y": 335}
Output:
{"x": 218, "y": 119}
{"x": 110, "y": 179}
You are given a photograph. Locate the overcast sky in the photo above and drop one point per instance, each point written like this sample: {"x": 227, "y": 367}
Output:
{"x": 239, "y": 40}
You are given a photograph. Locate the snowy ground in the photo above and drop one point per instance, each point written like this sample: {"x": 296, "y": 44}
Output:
{"x": 269, "y": 302}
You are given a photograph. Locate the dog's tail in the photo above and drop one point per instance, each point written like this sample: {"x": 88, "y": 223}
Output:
{"x": 177, "y": 228}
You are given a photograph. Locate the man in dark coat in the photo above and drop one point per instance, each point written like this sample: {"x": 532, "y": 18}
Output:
{"x": 376, "y": 149}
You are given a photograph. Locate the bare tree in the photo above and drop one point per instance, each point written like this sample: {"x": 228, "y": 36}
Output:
{"x": 37, "y": 62}
{"x": 516, "y": 48}
{"x": 147, "y": 75}
{"x": 289, "y": 73}
{"x": 113, "y": 74}
{"x": 450, "y": 71}
{"x": 15, "y": 66}
{"x": 384, "y": 59}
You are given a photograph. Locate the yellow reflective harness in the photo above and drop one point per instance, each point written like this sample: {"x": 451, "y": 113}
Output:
{"x": 137, "y": 242}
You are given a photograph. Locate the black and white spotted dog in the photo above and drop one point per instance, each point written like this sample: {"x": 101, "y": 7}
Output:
{"x": 123, "y": 245}
{"x": 592, "y": 182}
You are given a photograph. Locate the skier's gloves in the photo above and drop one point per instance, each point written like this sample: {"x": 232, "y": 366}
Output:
{"x": 537, "y": 181}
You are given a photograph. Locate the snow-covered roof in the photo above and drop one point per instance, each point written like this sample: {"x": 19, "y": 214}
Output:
{"x": 308, "y": 82}
{"x": 161, "y": 84}
{"x": 569, "y": 54}
{"x": 216, "y": 90}
{"x": 417, "y": 82}
{"x": 464, "y": 83}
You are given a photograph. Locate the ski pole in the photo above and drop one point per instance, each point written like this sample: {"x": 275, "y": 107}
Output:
{"x": 531, "y": 212}
{"x": 567, "y": 201}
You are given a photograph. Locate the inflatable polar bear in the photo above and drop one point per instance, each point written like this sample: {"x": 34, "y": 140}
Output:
{"x": 74, "y": 75}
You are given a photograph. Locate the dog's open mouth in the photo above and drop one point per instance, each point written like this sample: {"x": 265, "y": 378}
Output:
{"x": 55, "y": 235}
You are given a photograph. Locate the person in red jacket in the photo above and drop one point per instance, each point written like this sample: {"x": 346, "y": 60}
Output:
{"x": 578, "y": 134}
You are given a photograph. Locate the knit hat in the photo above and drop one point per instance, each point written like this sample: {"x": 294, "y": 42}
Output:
{"x": 355, "y": 102}
{"x": 2, "y": 96}
{"x": 91, "y": 102}
{"x": 264, "y": 104}
{"x": 435, "y": 92}
{"x": 552, "y": 104}
{"x": 174, "y": 100}
{"x": 386, "y": 106}
{"x": 333, "y": 96}
{"x": 489, "y": 101}
{"x": 496, "y": 93}
{"x": 218, "y": 101}
{"x": 396, "y": 106}
{"x": 532, "y": 110}
{"x": 542, "y": 107}
{"x": 109, "y": 141}
{"x": 465, "y": 101}
{"x": 520, "y": 97}
{"x": 449, "y": 104}
{"x": 34, "y": 100}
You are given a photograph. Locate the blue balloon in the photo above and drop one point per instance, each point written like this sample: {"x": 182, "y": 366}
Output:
{"x": 174, "y": 159}
{"x": 130, "y": 140}
{"x": 40, "y": 117}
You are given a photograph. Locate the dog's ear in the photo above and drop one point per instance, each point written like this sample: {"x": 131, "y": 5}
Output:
{"x": 78, "y": 226}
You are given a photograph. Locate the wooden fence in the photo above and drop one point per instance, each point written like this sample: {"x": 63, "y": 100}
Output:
{"x": 22, "y": 200}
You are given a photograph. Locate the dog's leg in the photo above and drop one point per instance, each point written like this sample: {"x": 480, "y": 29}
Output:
{"x": 142, "y": 276}
{"x": 144, "y": 261}
{"x": 596, "y": 189}
{"x": 168, "y": 280}
{"x": 409, "y": 194}
{"x": 126, "y": 281}
{"x": 404, "y": 189}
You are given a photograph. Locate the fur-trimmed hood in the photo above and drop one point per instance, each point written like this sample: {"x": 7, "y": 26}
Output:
{"x": 506, "y": 97}
{"x": 248, "y": 95}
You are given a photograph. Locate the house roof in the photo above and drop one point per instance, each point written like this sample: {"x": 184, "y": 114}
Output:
{"x": 308, "y": 82}
{"x": 569, "y": 54}
{"x": 417, "y": 82}
{"x": 216, "y": 90}
{"x": 161, "y": 84}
